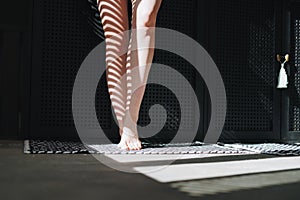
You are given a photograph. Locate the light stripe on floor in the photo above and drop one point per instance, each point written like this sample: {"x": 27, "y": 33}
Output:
{"x": 198, "y": 188}
{"x": 184, "y": 172}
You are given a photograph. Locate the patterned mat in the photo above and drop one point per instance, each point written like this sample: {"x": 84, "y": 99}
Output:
{"x": 58, "y": 147}
{"x": 269, "y": 148}
{"x": 171, "y": 149}
{"x": 68, "y": 147}
{"x": 53, "y": 147}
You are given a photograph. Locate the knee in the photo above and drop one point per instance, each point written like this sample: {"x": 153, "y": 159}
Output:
{"x": 145, "y": 17}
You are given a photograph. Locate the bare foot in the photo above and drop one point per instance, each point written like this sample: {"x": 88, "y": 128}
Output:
{"x": 129, "y": 140}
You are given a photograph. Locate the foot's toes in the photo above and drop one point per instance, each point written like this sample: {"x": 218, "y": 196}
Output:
{"x": 134, "y": 145}
{"x": 131, "y": 146}
{"x": 137, "y": 146}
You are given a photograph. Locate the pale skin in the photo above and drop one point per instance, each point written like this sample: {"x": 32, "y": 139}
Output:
{"x": 125, "y": 102}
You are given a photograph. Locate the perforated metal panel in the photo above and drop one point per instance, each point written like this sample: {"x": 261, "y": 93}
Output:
{"x": 294, "y": 87}
{"x": 64, "y": 46}
{"x": 62, "y": 38}
{"x": 243, "y": 47}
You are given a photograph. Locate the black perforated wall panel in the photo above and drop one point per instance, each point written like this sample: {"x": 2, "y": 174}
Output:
{"x": 61, "y": 40}
{"x": 64, "y": 45}
{"x": 243, "y": 36}
{"x": 294, "y": 89}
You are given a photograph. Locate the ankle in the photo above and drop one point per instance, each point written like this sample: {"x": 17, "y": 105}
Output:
{"x": 130, "y": 132}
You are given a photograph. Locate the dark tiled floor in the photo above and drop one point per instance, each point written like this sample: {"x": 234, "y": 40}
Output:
{"x": 46, "y": 176}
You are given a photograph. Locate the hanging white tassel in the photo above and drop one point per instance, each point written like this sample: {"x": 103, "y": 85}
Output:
{"x": 283, "y": 78}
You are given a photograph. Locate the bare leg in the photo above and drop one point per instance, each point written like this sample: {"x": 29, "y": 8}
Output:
{"x": 143, "y": 20}
{"x": 114, "y": 17}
